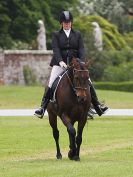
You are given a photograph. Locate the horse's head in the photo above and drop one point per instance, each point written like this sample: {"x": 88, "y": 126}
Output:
{"x": 80, "y": 78}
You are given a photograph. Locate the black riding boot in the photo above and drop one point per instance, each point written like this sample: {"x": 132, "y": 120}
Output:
{"x": 45, "y": 100}
{"x": 96, "y": 104}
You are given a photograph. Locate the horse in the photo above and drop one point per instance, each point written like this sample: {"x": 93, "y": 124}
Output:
{"x": 73, "y": 100}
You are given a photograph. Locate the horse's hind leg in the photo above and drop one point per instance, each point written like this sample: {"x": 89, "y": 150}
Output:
{"x": 53, "y": 123}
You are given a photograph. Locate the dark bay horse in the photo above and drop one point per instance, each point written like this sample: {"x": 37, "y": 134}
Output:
{"x": 73, "y": 102}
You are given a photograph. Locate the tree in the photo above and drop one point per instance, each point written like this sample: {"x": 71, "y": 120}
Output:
{"x": 18, "y": 19}
{"x": 24, "y": 15}
{"x": 115, "y": 11}
{"x": 5, "y": 20}
{"x": 128, "y": 6}
{"x": 105, "y": 8}
{"x": 112, "y": 41}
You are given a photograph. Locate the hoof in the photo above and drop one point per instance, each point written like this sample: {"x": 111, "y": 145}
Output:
{"x": 59, "y": 156}
{"x": 71, "y": 155}
{"x": 76, "y": 158}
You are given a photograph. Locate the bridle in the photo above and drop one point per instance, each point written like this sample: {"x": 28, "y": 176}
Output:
{"x": 72, "y": 83}
{"x": 79, "y": 70}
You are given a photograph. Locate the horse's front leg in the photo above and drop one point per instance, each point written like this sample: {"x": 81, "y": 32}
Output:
{"x": 53, "y": 123}
{"x": 72, "y": 133}
{"x": 79, "y": 138}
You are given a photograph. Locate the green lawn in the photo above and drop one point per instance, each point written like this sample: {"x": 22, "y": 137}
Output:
{"x": 20, "y": 96}
{"x": 27, "y": 149}
{"x": 29, "y": 97}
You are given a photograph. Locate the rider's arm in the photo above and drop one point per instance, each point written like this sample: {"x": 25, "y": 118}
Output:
{"x": 81, "y": 49}
{"x": 56, "y": 48}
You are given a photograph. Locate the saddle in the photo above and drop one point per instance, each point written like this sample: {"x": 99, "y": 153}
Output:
{"x": 55, "y": 86}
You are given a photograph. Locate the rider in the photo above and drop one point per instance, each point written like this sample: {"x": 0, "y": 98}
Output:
{"x": 65, "y": 43}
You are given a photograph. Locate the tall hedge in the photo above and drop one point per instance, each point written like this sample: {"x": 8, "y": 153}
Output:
{"x": 116, "y": 86}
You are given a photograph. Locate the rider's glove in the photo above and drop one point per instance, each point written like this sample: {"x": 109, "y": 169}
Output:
{"x": 62, "y": 64}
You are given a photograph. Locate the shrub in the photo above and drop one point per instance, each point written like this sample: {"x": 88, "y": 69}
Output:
{"x": 111, "y": 62}
{"x": 29, "y": 77}
{"x": 129, "y": 39}
{"x": 117, "y": 86}
{"x": 123, "y": 72}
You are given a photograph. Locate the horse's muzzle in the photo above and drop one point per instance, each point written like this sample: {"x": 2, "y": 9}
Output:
{"x": 81, "y": 95}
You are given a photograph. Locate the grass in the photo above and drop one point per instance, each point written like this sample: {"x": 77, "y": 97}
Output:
{"x": 20, "y": 96}
{"x": 30, "y": 97}
{"x": 27, "y": 149}
{"x": 116, "y": 99}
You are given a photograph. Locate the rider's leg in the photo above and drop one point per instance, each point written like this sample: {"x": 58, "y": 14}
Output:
{"x": 45, "y": 100}
{"x": 56, "y": 71}
{"x": 100, "y": 109}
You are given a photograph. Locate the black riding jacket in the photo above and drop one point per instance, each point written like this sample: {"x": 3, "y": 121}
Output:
{"x": 64, "y": 48}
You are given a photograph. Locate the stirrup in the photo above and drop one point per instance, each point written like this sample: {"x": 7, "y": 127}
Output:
{"x": 104, "y": 109}
{"x": 39, "y": 113}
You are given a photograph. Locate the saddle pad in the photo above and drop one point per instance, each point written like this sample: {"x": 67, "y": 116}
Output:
{"x": 55, "y": 86}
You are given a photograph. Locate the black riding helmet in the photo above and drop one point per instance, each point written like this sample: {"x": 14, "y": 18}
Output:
{"x": 65, "y": 16}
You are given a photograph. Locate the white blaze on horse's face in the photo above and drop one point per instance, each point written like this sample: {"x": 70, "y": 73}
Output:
{"x": 81, "y": 83}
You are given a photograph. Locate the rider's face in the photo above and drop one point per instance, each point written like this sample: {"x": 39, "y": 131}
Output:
{"x": 66, "y": 25}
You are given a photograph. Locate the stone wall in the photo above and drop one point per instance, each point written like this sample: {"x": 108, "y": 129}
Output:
{"x": 1, "y": 68}
{"x": 13, "y": 62}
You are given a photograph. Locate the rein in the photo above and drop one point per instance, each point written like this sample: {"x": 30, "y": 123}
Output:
{"x": 79, "y": 70}
{"x": 70, "y": 81}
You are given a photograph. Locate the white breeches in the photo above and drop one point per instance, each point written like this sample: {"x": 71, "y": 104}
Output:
{"x": 90, "y": 80}
{"x": 56, "y": 71}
